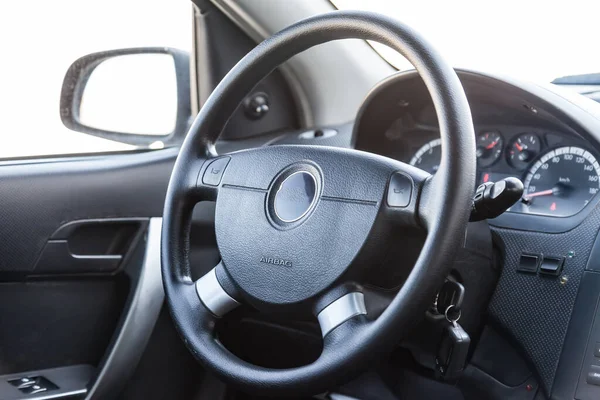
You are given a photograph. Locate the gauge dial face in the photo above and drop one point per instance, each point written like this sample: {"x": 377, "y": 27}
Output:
{"x": 428, "y": 157}
{"x": 489, "y": 148}
{"x": 522, "y": 150}
{"x": 561, "y": 182}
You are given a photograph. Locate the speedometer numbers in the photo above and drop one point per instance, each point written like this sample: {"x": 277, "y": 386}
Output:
{"x": 561, "y": 182}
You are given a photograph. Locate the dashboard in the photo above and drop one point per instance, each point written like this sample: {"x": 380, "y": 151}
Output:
{"x": 549, "y": 139}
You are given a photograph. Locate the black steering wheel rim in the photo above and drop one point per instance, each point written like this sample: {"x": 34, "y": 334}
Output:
{"x": 446, "y": 211}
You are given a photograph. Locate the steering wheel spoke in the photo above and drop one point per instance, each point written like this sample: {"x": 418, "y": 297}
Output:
{"x": 212, "y": 294}
{"x": 340, "y": 311}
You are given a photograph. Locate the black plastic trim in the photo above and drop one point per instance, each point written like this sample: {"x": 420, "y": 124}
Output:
{"x": 593, "y": 263}
{"x": 477, "y": 384}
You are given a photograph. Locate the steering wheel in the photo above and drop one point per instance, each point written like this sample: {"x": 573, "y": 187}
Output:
{"x": 298, "y": 227}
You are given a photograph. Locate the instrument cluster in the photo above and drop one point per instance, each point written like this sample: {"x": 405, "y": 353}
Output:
{"x": 560, "y": 174}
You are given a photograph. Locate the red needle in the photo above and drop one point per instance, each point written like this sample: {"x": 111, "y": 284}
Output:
{"x": 491, "y": 145}
{"x": 542, "y": 193}
{"x": 518, "y": 146}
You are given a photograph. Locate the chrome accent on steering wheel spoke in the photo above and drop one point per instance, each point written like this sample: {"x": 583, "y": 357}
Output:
{"x": 213, "y": 296}
{"x": 340, "y": 311}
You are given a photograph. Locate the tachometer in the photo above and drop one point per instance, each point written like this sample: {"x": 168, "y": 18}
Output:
{"x": 428, "y": 157}
{"x": 561, "y": 182}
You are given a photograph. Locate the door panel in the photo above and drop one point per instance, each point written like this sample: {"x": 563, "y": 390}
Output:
{"x": 46, "y": 324}
{"x": 80, "y": 283}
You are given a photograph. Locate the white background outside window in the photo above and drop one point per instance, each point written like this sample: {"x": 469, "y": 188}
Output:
{"x": 39, "y": 41}
{"x": 535, "y": 40}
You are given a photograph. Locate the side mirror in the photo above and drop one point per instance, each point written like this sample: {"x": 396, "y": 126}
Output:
{"x": 138, "y": 96}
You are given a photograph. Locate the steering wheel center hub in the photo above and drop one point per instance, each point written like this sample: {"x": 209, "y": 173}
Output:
{"x": 295, "y": 197}
{"x": 288, "y": 231}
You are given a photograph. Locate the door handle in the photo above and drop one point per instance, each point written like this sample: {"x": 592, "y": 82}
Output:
{"x": 90, "y": 246}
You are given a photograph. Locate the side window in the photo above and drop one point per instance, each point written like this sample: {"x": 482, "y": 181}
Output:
{"x": 127, "y": 62}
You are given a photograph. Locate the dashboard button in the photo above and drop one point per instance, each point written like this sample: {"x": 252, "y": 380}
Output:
{"x": 214, "y": 172}
{"x": 597, "y": 350}
{"x": 400, "y": 190}
{"x": 551, "y": 265}
{"x": 528, "y": 263}
{"x": 593, "y": 376}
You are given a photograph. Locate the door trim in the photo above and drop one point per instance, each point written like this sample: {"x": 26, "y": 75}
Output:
{"x": 137, "y": 322}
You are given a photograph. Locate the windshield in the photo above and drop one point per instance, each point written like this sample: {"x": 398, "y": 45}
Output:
{"x": 535, "y": 40}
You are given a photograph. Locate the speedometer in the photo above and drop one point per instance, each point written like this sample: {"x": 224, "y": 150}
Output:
{"x": 561, "y": 182}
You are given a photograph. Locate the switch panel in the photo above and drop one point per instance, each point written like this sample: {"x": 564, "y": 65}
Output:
{"x": 33, "y": 384}
{"x": 63, "y": 382}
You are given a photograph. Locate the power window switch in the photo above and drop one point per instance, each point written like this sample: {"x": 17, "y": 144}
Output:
{"x": 34, "y": 389}
{"x": 33, "y": 384}
{"x": 22, "y": 382}
{"x": 593, "y": 376}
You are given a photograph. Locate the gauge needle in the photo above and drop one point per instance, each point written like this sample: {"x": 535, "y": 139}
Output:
{"x": 529, "y": 196}
{"x": 518, "y": 146}
{"x": 491, "y": 145}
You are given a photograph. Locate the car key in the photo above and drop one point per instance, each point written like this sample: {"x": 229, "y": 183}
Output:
{"x": 451, "y": 294}
{"x": 453, "y": 348}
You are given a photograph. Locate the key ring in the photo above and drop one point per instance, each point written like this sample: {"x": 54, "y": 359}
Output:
{"x": 446, "y": 314}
